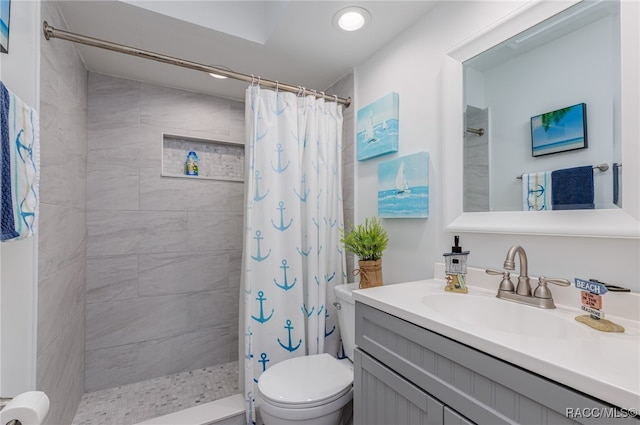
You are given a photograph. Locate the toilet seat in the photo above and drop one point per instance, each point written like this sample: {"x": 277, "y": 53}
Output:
{"x": 306, "y": 381}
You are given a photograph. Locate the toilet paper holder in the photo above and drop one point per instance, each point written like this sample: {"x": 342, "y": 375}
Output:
{"x": 4, "y": 401}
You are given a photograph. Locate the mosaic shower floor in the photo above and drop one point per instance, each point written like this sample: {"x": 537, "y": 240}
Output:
{"x": 129, "y": 404}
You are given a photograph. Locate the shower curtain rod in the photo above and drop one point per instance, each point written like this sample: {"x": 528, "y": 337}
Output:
{"x": 51, "y": 32}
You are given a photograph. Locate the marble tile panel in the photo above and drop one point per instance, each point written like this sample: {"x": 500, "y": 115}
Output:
{"x": 214, "y": 231}
{"x": 132, "y": 145}
{"x": 189, "y": 351}
{"x": 60, "y": 371}
{"x": 112, "y": 187}
{"x": 113, "y": 100}
{"x": 233, "y": 343}
{"x": 236, "y": 196}
{"x": 72, "y": 106}
{"x": 114, "y": 323}
{"x": 176, "y": 273}
{"x": 111, "y": 367}
{"x": 60, "y": 296}
{"x": 177, "y": 194}
{"x": 112, "y": 278}
{"x": 49, "y": 93}
{"x": 211, "y": 309}
{"x": 235, "y": 269}
{"x": 135, "y": 232}
{"x": 62, "y": 174}
{"x": 62, "y": 238}
{"x": 182, "y": 110}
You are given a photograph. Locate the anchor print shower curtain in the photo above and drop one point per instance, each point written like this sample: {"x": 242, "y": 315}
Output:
{"x": 292, "y": 255}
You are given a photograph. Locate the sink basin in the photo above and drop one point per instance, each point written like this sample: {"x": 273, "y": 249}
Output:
{"x": 504, "y": 316}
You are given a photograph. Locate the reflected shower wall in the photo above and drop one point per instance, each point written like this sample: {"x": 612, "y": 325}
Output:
{"x": 163, "y": 253}
{"x": 476, "y": 162}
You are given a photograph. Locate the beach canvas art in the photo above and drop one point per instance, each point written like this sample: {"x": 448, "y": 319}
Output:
{"x": 5, "y": 6}
{"x": 559, "y": 131}
{"x": 377, "y": 128}
{"x": 403, "y": 187}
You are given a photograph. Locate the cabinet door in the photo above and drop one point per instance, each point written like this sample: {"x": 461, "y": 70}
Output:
{"x": 382, "y": 397}
{"x": 451, "y": 417}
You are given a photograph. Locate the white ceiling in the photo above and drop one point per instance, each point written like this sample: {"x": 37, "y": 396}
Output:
{"x": 293, "y": 42}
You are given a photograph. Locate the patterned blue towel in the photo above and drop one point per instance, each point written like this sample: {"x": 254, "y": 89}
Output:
{"x": 536, "y": 191}
{"x": 573, "y": 188}
{"x": 20, "y": 160}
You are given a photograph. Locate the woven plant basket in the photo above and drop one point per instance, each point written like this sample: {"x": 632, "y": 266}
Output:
{"x": 370, "y": 273}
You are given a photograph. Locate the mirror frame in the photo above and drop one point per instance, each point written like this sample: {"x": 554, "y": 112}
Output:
{"x": 614, "y": 223}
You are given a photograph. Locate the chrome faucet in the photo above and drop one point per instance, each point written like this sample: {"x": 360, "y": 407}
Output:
{"x": 522, "y": 294}
{"x": 524, "y": 287}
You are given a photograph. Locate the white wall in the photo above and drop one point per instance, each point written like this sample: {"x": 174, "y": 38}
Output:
{"x": 19, "y": 70}
{"x": 412, "y": 66}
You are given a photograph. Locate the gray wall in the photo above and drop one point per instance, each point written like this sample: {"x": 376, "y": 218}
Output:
{"x": 344, "y": 88}
{"x": 163, "y": 254}
{"x": 62, "y": 239}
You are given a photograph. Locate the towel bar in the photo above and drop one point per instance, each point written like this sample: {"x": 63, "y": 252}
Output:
{"x": 601, "y": 167}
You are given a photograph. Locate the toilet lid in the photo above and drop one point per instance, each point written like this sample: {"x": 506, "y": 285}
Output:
{"x": 307, "y": 380}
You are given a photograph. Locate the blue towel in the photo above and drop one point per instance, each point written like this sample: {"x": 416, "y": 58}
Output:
{"x": 572, "y": 188}
{"x": 20, "y": 160}
{"x": 7, "y": 224}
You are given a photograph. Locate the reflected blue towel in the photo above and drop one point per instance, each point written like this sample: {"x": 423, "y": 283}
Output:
{"x": 7, "y": 223}
{"x": 572, "y": 188}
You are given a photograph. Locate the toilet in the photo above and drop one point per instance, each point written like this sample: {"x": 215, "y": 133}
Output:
{"x": 315, "y": 389}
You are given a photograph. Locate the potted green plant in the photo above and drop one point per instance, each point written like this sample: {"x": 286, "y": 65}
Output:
{"x": 367, "y": 241}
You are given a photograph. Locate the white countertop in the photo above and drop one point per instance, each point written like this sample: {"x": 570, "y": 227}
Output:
{"x": 601, "y": 364}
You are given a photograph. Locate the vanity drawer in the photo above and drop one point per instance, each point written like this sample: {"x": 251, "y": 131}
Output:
{"x": 482, "y": 388}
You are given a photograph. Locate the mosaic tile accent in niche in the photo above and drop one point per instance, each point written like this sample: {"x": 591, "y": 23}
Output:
{"x": 216, "y": 160}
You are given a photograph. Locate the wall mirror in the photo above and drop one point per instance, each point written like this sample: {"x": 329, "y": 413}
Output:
{"x": 545, "y": 56}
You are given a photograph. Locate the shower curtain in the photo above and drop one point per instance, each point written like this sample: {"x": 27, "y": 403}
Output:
{"x": 292, "y": 256}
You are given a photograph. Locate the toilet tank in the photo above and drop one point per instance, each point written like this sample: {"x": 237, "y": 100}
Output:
{"x": 346, "y": 316}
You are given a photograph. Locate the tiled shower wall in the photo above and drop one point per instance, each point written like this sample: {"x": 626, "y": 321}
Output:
{"x": 344, "y": 88}
{"x": 62, "y": 228}
{"x": 163, "y": 254}
{"x": 476, "y": 162}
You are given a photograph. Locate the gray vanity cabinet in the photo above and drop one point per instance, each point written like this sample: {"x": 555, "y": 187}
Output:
{"x": 405, "y": 374}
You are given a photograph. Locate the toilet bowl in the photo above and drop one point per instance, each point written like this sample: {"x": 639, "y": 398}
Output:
{"x": 315, "y": 389}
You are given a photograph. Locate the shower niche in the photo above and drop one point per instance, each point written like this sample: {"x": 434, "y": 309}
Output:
{"x": 217, "y": 160}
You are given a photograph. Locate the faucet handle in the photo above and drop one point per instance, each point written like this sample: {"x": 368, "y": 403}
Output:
{"x": 506, "y": 284}
{"x": 543, "y": 291}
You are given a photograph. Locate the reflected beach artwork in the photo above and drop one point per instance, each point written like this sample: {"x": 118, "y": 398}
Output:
{"x": 560, "y": 130}
{"x": 403, "y": 187}
{"x": 377, "y": 128}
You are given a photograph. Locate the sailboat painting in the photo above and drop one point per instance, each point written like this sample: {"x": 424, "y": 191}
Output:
{"x": 403, "y": 187}
{"x": 377, "y": 128}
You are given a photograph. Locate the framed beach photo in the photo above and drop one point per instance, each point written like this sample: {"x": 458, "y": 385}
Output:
{"x": 5, "y": 8}
{"x": 403, "y": 187}
{"x": 377, "y": 128}
{"x": 559, "y": 131}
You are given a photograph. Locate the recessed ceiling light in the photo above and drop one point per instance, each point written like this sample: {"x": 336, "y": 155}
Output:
{"x": 218, "y": 76}
{"x": 351, "y": 18}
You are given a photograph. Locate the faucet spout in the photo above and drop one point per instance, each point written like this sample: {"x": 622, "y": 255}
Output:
{"x": 524, "y": 287}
